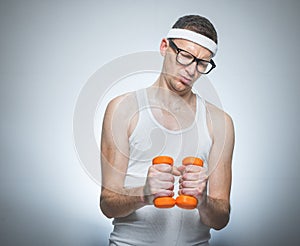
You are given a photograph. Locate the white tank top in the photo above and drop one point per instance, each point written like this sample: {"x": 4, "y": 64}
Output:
{"x": 150, "y": 225}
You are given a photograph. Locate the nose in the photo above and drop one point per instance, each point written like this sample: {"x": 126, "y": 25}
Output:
{"x": 191, "y": 69}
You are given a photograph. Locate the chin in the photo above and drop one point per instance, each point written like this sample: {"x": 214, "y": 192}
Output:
{"x": 185, "y": 83}
{"x": 181, "y": 87}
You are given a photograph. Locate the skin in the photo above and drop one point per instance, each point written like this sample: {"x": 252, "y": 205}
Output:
{"x": 212, "y": 193}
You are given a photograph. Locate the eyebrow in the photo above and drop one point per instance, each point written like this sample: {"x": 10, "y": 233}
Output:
{"x": 176, "y": 47}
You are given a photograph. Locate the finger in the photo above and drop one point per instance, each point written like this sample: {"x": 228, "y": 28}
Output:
{"x": 191, "y": 192}
{"x": 163, "y": 168}
{"x": 181, "y": 169}
{"x": 161, "y": 181}
{"x": 193, "y": 184}
{"x": 175, "y": 171}
{"x": 195, "y": 176}
{"x": 193, "y": 168}
{"x": 165, "y": 177}
{"x": 165, "y": 185}
{"x": 162, "y": 193}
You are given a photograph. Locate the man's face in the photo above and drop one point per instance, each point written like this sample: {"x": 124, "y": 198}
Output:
{"x": 180, "y": 78}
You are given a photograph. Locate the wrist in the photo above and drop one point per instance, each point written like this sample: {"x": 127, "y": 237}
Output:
{"x": 143, "y": 200}
{"x": 146, "y": 199}
{"x": 202, "y": 204}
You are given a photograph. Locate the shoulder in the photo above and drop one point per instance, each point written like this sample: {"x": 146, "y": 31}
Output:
{"x": 122, "y": 105}
{"x": 128, "y": 99}
{"x": 217, "y": 113}
{"x": 121, "y": 114}
{"x": 219, "y": 122}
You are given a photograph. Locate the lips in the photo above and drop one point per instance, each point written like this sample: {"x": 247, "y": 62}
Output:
{"x": 185, "y": 80}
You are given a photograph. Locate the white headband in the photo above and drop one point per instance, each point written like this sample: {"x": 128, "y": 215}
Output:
{"x": 194, "y": 37}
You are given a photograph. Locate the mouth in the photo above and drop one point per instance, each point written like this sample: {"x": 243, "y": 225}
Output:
{"x": 185, "y": 80}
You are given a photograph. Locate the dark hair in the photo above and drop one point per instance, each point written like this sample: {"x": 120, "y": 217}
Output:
{"x": 197, "y": 24}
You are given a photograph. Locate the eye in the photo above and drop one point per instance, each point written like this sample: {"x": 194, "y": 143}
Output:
{"x": 202, "y": 63}
{"x": 186, "y": 55}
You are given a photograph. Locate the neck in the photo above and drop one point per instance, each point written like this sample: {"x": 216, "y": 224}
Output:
{"x": 167, "y": 90}
{"x": 175, "y": 109}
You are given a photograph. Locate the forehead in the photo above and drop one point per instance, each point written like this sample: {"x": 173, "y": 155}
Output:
{"x": 195, "y": 49}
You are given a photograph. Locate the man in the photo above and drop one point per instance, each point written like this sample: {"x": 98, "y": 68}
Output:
{"x": 168, "y": 118}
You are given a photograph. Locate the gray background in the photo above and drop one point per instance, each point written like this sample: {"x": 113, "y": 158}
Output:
{"x": 50, "y": 48}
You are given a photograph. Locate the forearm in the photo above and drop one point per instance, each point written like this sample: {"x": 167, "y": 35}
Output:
{"x": 214, "y": 213}
{"x": 123, "y": 203}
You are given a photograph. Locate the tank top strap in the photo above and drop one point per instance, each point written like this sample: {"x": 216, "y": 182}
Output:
{"x": 141, "y": 100}
{"x": 201, "y": 109}
{"x": 202, "y": 117}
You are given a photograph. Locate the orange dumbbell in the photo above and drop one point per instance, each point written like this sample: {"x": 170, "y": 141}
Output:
{"x": 185, "y": 201}
{"x": 166, "y": 201}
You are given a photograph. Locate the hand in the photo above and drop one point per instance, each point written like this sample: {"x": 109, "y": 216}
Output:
{"x": 160, "y": 182}
{"x": 193, "y": 182}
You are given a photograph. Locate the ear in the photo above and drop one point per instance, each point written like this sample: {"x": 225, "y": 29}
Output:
{"x": 164, "y": 44}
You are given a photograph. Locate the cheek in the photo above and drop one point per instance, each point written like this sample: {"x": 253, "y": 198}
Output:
{"x": 168, "y": 67}
{"x": 171, "y": 66}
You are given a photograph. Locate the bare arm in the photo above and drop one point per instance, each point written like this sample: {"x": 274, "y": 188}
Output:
{"x": 117, "y": 201}
{"x": 115, "y": 205}
{"x": 215, "y": 209}
{"x": 214, "y": 205}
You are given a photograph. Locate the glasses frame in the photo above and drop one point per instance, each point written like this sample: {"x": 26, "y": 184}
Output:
{"x": 178, "y": 50}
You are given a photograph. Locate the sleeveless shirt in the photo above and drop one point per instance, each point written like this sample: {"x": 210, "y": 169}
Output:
{"x": 150, "y": 225}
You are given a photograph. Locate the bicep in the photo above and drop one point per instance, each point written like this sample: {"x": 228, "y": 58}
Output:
{"x": 220, "y": 158}
{"x": 114, "y": 148}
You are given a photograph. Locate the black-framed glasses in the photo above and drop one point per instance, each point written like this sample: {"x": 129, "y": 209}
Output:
{"x": 185, "y": 58}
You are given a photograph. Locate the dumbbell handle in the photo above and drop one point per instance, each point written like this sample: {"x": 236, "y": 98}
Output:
{"x": 165, "y": 201}
{"x": 185, "y": 201}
